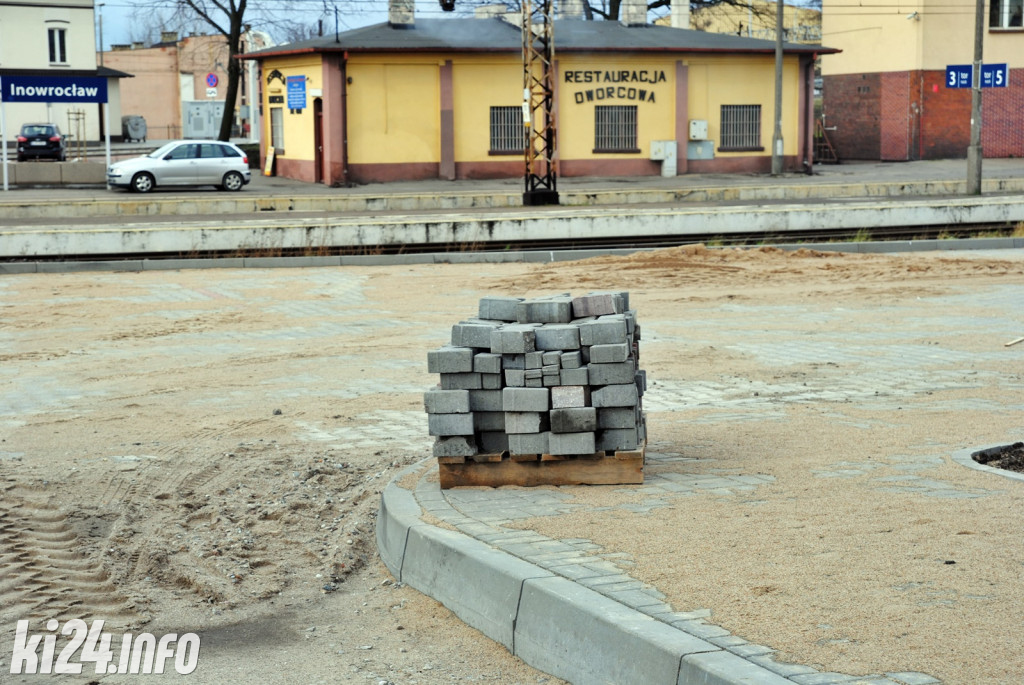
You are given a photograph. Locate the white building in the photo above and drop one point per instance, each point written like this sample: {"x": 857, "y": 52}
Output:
{"x": 55, "y": 38}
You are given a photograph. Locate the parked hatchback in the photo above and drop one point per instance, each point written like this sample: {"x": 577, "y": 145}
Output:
{"x": 184, "y": 163}
{"x": 41, "y": 140}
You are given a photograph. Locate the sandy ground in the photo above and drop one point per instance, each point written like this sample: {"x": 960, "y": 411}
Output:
{"x": 203, "y": 451}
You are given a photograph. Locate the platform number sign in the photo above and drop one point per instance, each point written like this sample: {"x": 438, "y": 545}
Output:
{"x": 994, "y": 75}
{"x": 959, "y": 75}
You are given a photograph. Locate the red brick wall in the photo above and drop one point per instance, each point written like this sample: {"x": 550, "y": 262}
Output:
{"x": 1002, "y": 115}
{"x": 852, "y": 104}
{"x": 895, "y": 119}
{"x": 900, "y": 116}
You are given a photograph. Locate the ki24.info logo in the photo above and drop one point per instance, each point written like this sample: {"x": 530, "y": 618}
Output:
{"x": 143, "y": 653}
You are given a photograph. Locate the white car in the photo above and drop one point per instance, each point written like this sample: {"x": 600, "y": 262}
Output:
{"x": 184, "y": 163}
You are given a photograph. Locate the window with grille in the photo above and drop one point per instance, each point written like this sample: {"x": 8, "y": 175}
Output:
{"x": 1004, "y": 14}
{"x": 277, "y": 129}
{"x": 615, "y": 128}
{"x": 58, "y": 46}
{"x": 741, "y": 128}
{"x": 508, "y": 135}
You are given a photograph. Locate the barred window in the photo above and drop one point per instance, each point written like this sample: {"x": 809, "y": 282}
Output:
{"x": 615, "y": 128}
{"x": 508, "y": 135}
{"x": 741, "y": 127}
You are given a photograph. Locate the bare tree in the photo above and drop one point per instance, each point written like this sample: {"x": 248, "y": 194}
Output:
{"x": 226, "y": 17}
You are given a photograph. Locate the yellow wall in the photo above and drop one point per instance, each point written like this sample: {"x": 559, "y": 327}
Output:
{"x": 576, "y": 101}
{"x": 298, "y": 128}
{"x": 394, "y": 109}
{"x": 480, "y": 83}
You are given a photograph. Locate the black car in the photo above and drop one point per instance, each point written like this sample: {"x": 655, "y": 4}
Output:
{"x": 41, "y": 140}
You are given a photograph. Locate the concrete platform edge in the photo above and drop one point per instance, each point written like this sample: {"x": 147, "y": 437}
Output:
{"x": 482, "y": 257}
{"x": 551, "y": 622}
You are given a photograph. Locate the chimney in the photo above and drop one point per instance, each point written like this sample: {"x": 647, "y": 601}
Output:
{"x": 680, "y": 14}
{"x": 570, "y": 9}
{"x": 400, "y": 13}
{"x": 168, "y": 36}
{"x": 633, "y": 13}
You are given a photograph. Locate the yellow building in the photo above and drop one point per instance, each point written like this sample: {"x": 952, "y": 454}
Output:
{"x": 442, "y": 98}
{"x": 757, "y": 20}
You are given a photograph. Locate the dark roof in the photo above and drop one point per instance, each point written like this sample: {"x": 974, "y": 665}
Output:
{"x": 102, "y": 72}
{"x": 497, "y": 35}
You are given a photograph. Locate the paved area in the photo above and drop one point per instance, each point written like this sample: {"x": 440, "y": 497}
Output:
{"x": 415, "y": 507}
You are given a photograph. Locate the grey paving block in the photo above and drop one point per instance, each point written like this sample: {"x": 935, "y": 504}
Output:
{"x": 489, "y": 420}
{"x": 450, "y": 360}
{"x": 724, "y": 668}
{"x": 515, "y": 378}
{"x": 609, "y": 354}
{"x": 455, "y": 446}
{"x": 576, "y": 634}
{"x": 578, "y": 376}
{"x": 569, "y": 443}
{"x": 513, "y": 361}
{"x": 611, "y": 374}
{"x": 534, "y": 360}
{"x": 533, "y": 373}
{"x": 527, "y": 399}
{"x": 461, "y": 381}
{"x": 618, "y": 439}
{"x": 617, "y": 417}
{"x": 574, "y": 420}
{"x": 558, "y": 337}
{"x": 492, "y": 442}
{"x": 491, "y": 381}
{"x": 513, "y": 339}
{"x": 450, "y": 424}
{"x": 534, "y": 383}
{"x": 526, "y": 421}
{"x": 571, "y": 360}
{"x": 480, "y": 584}
{"x": 641, "y": 381}
{"x": 498, "y": 308}
{"x": 603, "y": 331}
{"x": 486, "y": 400}
{"x": 529, "y": 443}
{"x": 565, "y": 396}
{"x": 615, "y": 396}
{"x": 473, "y": 333}
{"x": 486, "y": 362}
{"x": 596, "y": 304}
{"x": 550, "y": 370}
{"x": 552, "y": 358}
{"x": 551, "y": 381}
{"x": 437, "y": 401}
{"x": 554, "y": 309}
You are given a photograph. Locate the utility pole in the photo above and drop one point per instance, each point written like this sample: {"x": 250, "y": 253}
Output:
{"x": 777, "y": 136}
{"x": 974, "y": 149}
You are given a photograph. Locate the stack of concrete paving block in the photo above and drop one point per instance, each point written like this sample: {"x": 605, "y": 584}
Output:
{"x": 543, "y": 378}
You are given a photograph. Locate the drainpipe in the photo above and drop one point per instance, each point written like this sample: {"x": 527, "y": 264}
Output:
{"x": 344, "y": 119}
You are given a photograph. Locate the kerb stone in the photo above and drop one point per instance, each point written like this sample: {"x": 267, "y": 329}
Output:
{"x": 603, "y": 331}
{"x": 554, "y": 309}
{"x": 485, "y": 362}
{"x": 513, "y": 339}
{"x": 438, "y": 401}
{"x": 461, "y": 381}
{"x": 612, "y": 374}
{"x": 473, "y": 333}
{"x": 618, "y": 439}
{"x": 573, "y": 420}
{"x": 485, "y": 400}
{"x": 572, "y": 443}
{"x": 526, "y": 421}
{"x": 596, "y": 304}
{"x": 580, "y": 376}
{"x": 450, "y": 424}
{"x": 498, "y": 308}
{"x": 615, "y": 396}
{"x": 606, "y": 354}
{"x": 558, "y": 337}
{"x": 450, "y": 360}
{"x": 455, "y": 446}
{"x": 528, "y": 399}
{"x": 565, "y": 396}
{"x": 529, "y": 443}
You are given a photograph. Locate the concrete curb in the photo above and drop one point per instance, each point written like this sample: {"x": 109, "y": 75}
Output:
{"x": 537, "y": 256}
{"x": 965, "y": 458}
{"x": 550, "y": 622}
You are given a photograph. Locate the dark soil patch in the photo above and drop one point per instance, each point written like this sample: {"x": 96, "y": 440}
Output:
{"x": 1009, "y": 457}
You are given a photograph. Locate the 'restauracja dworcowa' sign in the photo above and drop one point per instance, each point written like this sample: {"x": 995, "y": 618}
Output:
{"x": 632, "y": 84}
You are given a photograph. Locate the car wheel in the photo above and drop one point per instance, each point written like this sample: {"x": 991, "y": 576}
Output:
{"x": 232, "y": 181}
{"x": 142, "y": 182}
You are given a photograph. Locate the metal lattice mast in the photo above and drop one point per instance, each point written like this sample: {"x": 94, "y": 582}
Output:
{"x": 538, "y": 103}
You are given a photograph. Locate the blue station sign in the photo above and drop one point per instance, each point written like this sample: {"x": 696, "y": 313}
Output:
{"x": 296, "y": 88}
{"x": 994, "y": 75}
{"x": 959, "y": 75}
{"x": 53, "y": 89}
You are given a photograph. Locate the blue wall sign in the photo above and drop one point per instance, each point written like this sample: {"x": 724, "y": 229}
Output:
{"x": 959, "y": 75}
{"x": 296, "y": 92}
{"x": 994, "y": 75}
{"x": 53, "y": 89}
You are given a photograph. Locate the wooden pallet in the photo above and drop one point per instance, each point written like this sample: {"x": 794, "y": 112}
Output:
{"x": 495, "y": 470}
